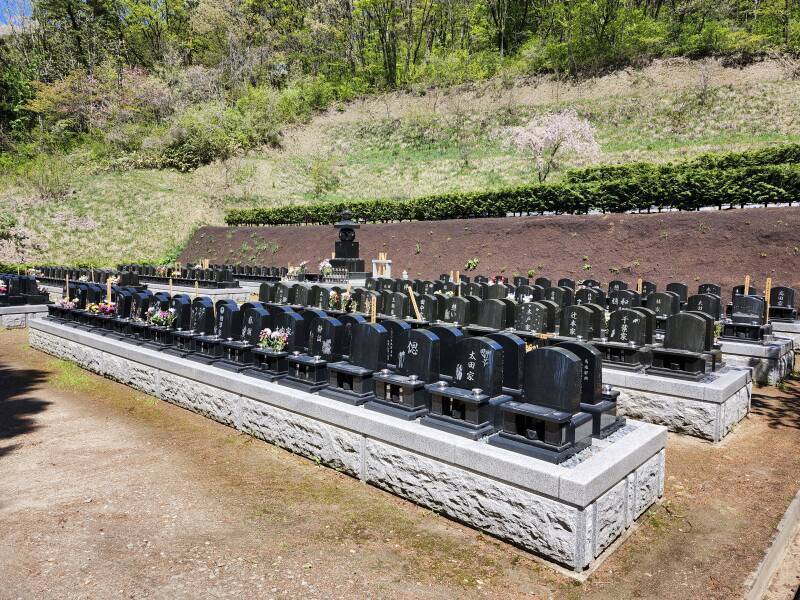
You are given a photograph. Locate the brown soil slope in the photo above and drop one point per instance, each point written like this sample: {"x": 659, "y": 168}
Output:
{"x": 715, "y": 246}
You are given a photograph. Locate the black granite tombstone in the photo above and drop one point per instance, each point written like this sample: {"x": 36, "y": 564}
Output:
{"x": 578, "y": 322}
{"x": 396, "y": 340}
{"x": 623, "y": 299}
{"x": 707, "y": 303}
{"x": 590, "y": 295}
{"x": 352, "y": 381}
{"x": 309, "y": 371}
{"x": 529, "y": 293}
{"x": 466, "y": 406}
{"x": 457, "y": 310}
{"x": 271, "y": 363}
{"x": 781, "y": 304}
{"x": 616, "y": 285}
{"x": 238, "y": 354}
{"x": 491, "y": 317}
{"x": 682, "y": 354}
{"x": 227, "y": 327}
{"x": 563, "y": 296}
{"x": 709, "y": 288}
{"x": 596, "y": 399}
{"x": 514, "y": 350}
{"x": 663, "y": 304}
{"x": 679, "y": 288}
{"x": 547, "y": 423}
{"x": 201, "y": 323}
{"x": 748, "y": 322}
{"x": 401, "y": 393}
{"x": 627, "y": 344}
{"x": 448, "y": 338}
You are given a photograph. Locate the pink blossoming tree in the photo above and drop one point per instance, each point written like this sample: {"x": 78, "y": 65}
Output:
{"x": 550, "y": 136}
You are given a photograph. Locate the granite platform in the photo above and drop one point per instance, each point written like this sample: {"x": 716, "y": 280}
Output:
{"x": 14, "y": 317}
{"x": 707, "y": 409}
{"x": 569, "y": 514}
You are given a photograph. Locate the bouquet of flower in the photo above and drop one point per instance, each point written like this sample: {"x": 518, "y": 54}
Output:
{"x": 160, "y": 318}
{"x": 113, "y": 280}
{"x": 273, "y": 340}
{"x": 325, "y": 268}
{"x": 294, "y": 272}
{"x": 107, "y": 308}
{"x": 83, "y": 278}
{"x": 343, "y": 301}
{"x": 65, "y": 304}
{"x": 161, "y": 271}
{"x": 175, "y": 274}
{"x": 449, "y": 293}
{"x": 93, "y": 308}
{"x": 3, "y": 287}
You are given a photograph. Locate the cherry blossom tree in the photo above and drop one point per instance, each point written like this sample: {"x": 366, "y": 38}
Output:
{"x": 550, "y": 136}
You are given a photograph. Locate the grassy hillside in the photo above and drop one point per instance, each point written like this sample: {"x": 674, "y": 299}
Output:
{"x": 401, "y": 146}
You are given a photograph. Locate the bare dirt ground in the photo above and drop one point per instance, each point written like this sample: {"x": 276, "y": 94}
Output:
{"x": 717, "y": 246}
{"x": 106, "y": 492}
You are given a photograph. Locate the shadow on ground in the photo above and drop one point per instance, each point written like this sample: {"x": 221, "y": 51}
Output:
{"x": 18, "y": 405}
{"x": 780, "y": 406}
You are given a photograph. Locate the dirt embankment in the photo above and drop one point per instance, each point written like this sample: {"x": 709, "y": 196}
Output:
{"x": 716, "y": 246}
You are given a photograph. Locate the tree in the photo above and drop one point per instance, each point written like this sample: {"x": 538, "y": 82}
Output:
{"x": 549, "y": 137}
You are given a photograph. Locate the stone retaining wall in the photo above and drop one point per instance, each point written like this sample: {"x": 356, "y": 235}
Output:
{"x": 15, "y": 317}
{"x": 567, "y": 514}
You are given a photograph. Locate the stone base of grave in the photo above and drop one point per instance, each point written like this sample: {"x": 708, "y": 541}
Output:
{"x": 707, "y": 409}
{"x": 788, "y": 330}
{"x": 770, "y": 361}
{"x": 569, "y": 514}
{"x": 14, "y": 317}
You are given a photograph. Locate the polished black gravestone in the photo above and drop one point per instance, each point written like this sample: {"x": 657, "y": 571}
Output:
{"x": 466, "y": 406}
{"x": 309, "y": 371}
{"x": 161, "y": 336}
{"x": 457, "y": 310}
{"x": 781, "y": 304}
{"x": 748, "y": 322}
{"x": 707, "y": 303}
{"x": 679, "y": 288}
{"x": 529, "y": 293}
{"x": 448, "y": 336}
{"x": 352, "y": 381}
{"x": 547, "y": 423}
{"x": 514, "y": 349}
{"x": 627, "y": 346}
{"x": 664, "y": 305}
{"x": 596, "y": 399}
{"x": 201, "y": 323}
{"x": 237, "y": 355}
{"x": 590, "y": 295}
{"x": 563, "y": 296}
{"x": 580, "y": 321}
{"x": 623, "y": 299}
{"x": 401, "y": 392}
{"x": 491, "y": 317}
{"x": 227, "y": 327}
{"x": 270, "y": 364}
{"x": 683, "y": 354}
{"x": 709, "y": 288}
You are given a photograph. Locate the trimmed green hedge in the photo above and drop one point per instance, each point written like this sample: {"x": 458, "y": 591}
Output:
{"x": 732, "y": 160}
{"x": 690, "y": 189}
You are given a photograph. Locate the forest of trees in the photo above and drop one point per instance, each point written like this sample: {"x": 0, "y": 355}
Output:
{"x": 180, "y": 82}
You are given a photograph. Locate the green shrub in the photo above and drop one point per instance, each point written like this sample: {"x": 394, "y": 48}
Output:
{"x": 690, "y": 189}
{"x": 730, "y": 160}
{"x": 202, "y": 134}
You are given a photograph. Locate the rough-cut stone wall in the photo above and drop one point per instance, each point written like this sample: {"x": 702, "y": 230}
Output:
{"x": 766, "y": 370}
{"x": 16, "y": 317}
{"x": 569, "y": 535}
{"x": 706, "y": 420}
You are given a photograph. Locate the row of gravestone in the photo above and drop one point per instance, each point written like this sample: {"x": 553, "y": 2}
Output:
{"x": 212, "y": 277}
{"x": 58, "y": 275}
{"x": 626, "y": 341}
{"x": 18, "y": 290}
{"x": 546, "y": 403}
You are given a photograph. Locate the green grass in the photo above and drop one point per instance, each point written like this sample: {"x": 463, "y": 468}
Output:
{"x": 404, "y": 146}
